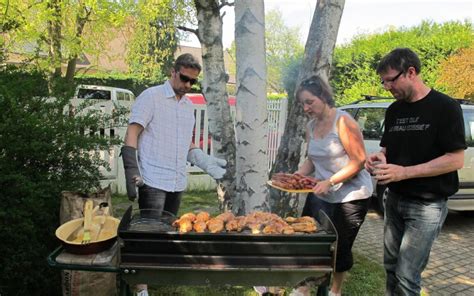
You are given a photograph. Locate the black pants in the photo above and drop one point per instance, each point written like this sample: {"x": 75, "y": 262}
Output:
{"x": 157, "y": 199}
{"x": 347, "y": 218}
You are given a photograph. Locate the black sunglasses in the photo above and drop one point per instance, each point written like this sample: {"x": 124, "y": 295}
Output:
{"x": 186, "y": 79}
{"x": 391, "y": 80}
{"x": 309, "y": 82}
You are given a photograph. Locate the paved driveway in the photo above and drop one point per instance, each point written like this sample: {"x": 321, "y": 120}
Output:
{"x": 450, "y": 270}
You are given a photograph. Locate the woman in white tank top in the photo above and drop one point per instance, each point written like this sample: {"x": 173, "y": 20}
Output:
{"x": 336, "y": 156}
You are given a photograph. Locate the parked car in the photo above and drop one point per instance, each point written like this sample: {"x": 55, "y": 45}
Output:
{"x": 118, "y": 96}
{"x": 371, "y": 115}
{"x": 106, "y": 99}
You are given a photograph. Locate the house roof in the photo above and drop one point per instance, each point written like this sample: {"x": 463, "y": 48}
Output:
{"x": 197, "y": 53}
{"x": 113, "y": 57}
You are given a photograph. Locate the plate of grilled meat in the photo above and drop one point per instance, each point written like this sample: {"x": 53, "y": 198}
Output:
{"x": 293, "y": 183}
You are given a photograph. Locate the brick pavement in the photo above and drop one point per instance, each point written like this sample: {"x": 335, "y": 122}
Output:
{"x": 450, "y": 270}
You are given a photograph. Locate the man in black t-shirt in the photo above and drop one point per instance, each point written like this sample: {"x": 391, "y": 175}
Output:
{"x": 422, "y": 149}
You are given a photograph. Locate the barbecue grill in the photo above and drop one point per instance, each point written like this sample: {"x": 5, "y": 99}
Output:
{"x": 167, "y": 257}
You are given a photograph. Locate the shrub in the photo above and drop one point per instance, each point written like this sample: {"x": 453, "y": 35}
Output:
{"x": 42, "y": 152}
{"x": 353, "y": 69}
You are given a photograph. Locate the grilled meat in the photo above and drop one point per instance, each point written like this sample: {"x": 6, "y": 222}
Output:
{"x": 235, "y": 224}
{"x": 288, "y": 230}
{"x": 200, "y": 226}
{"x": 305, "y": 219}
{"x": 256, "y": 222}
{"x": 293, "y": 181}
{"x": 215, "y": 225}
{"x": 227, "y": 216}
{"x": 304, "y": 227}
{"x": 185, "y": 225}
{"x": 189, "y": 216}
{"x": 255, "y": 228}
{"x": 203, "y": 216}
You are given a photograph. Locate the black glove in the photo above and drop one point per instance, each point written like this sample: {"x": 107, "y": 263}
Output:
{"x": 133, "y": 178}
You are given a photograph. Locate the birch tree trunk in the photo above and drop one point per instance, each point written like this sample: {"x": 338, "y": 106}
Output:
{"x": 214, "y": 88}
{"x": 251, "y": 121}
{"x": 316, "y": 61}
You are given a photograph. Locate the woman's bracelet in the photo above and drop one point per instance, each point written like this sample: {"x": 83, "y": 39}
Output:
{"x": 331, "y": 182}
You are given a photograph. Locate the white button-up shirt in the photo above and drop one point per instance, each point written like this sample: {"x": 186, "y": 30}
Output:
{"x": 164, "y": 143}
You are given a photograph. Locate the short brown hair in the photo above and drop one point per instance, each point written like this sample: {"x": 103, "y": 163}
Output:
{"x": 187, "y": 60}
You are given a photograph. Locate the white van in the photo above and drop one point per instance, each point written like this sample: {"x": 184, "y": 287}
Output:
{"x": 370, "y": 117}
{"x": 102, "y": 98}
{"x": 118, "y": 96}
{"x": 107, "y": 100}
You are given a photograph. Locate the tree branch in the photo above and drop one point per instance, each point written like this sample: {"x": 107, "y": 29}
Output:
{"x": 186, "y": 29}
{"x": 225, "y": 3}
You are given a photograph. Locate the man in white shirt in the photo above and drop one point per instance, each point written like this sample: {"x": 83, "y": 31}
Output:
{"x": 158, "y": 142}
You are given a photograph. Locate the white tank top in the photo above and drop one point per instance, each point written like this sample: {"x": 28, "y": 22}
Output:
{"x": 329, "y": 156}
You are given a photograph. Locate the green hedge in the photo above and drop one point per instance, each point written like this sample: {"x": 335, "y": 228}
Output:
{"x": 127, "y": 81}
{"x": 134, "y": 84}
{"x": 41, "y": 154}
{"x": 353, "y": 69}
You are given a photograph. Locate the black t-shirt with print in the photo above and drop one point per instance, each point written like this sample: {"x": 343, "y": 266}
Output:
{"x": 418, "y": 132}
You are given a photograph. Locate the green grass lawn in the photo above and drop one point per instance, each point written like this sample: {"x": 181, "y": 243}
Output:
{"x": 366, "y": 278}
{"x": 191, "y": 201}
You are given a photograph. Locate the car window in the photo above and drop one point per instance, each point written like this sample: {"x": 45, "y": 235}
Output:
{"x": 121, "y": 96}
{"x": 371, "y": 122}
{"x": 469, "y": 126}
{"x": 94, "y": 94}
{"x": 351, "y": 111}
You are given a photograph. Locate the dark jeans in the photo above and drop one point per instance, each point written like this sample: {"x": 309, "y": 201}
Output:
{"x": 347, "y": 219}
{"x": 411, "y": 226}
{"x": 157, "y": 199}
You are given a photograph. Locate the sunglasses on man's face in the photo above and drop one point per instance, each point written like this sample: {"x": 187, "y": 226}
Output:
{"x": 187, "y": 79}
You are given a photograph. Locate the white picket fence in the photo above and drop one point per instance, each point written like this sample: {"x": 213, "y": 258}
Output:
{"x": 276, "y": 116}
{"x": 114, "y": 174}
{"x": 277, "y": 113}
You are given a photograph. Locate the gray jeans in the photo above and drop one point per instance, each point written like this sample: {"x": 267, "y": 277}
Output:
{"x": 157, "y": 199}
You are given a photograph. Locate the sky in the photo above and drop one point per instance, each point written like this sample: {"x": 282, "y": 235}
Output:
{"x": 360, "y": 16}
